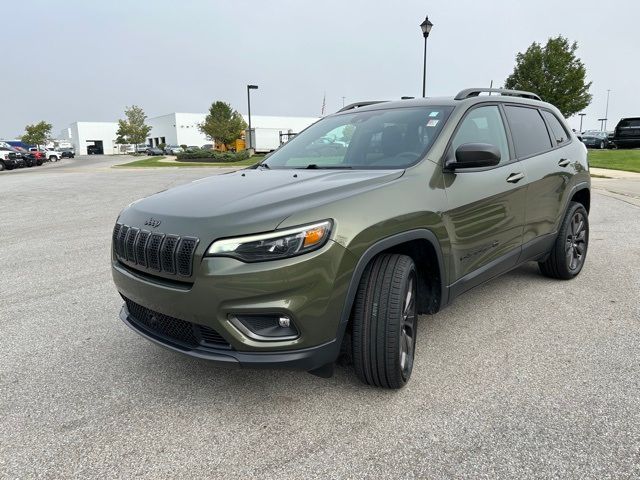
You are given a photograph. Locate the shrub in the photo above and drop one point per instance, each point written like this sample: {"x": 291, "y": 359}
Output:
{"x": 212, "y": 156}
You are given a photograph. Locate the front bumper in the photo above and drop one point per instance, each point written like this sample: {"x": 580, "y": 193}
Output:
{"x": 303, "y": 359}
{"x": 627, "y": 143}
{"x": 310, "y": 289}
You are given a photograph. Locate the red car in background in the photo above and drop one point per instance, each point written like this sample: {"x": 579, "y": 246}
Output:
{"x": 31, "y": 158}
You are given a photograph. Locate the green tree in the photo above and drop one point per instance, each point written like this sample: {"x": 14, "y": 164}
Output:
{"x": 133, "y": 129}
{"x": 37, "y": 134}
{"x": 223, "y": 124}
{"x": 554, "y": 72}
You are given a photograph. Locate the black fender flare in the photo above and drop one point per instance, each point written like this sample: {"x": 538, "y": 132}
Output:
{"x": 375, "y": 249}
{"x": 576, "y": 188}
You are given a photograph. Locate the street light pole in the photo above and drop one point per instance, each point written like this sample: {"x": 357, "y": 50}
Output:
{"x": 602, "y": 122}
{"x": 426, "y": 29}
{"x": 606, "y": 112}
{"x": 249, "y": 88}
{"x": 582, "y": 115}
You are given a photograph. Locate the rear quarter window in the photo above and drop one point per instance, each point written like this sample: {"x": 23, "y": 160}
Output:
{"x": 558, "y": 131}
{"x": 529, "y": 132}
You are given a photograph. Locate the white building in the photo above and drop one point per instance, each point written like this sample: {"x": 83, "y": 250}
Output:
{"x": 180, "y": 129}
{"x": 101, "y": 136}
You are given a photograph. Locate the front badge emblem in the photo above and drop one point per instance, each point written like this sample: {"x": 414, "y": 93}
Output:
{"x": 152, "y": 222}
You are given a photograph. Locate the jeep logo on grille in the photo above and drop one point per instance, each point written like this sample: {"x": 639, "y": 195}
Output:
{"x": 153, "y": 222}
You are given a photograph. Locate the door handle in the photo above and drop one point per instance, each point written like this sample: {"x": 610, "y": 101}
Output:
{"x": 515, "y": 177}
{"x": 564, "y": 162}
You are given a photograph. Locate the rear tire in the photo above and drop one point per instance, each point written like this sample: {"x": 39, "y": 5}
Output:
{"x": 2, "y": 167}
{"x": 384, "y": 322}
{"x": 569, "y": 251}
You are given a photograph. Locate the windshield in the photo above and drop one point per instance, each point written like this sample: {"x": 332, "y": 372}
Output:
{"x": 376, "y": 139}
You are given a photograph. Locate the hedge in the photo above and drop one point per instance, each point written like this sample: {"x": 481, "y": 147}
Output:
{"x": 212, "y": 156}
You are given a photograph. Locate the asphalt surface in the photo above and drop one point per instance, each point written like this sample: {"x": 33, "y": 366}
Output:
{"x": 522, "y": 377}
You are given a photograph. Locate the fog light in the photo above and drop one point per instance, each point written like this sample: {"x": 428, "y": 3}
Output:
{"x": 265, "y": 327}
{"x": 284, "y": 322}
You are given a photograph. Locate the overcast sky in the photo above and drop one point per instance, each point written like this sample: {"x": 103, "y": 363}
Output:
{"x": 70, "y": 60}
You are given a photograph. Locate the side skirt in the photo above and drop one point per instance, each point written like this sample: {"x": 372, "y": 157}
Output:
{"x": 536, "y": 249}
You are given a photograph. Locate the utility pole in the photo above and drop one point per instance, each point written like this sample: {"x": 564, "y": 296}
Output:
{"x": 606, "y": 112}
{"x": 250, "y": 137}
{"x": 582, "y": 115}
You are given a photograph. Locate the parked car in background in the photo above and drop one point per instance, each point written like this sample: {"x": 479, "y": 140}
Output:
{"x": 30, "y": 160}
{"x": 94, "y": 150}
{"x": 193, "y": 148}
{"x": 153, "y": 151}
{"x": 173, "y": 149}
{"x": 627, "y": 133}
{"x": 9, "y": 159}
{"x": 36, "y": 158}
{"x": 595, "y": 139}
{"x": 67, "y": 153}
{"x": 141, "y": 148}
{"x": 207, "y": 146}
{"x": 50, "y": 154}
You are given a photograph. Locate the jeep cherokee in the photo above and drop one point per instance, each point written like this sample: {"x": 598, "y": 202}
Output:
{"x": 330, "y": 247}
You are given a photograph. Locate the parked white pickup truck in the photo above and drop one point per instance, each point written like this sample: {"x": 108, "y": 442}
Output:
{"x": 51, "y": 154}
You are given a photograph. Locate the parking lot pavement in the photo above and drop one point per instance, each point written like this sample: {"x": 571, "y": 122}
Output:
{"x": 622, "y": 185}
{"x": 522, "y": 377}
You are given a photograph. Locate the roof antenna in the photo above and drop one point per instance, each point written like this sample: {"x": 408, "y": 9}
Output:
{"x": 490, "y": 87}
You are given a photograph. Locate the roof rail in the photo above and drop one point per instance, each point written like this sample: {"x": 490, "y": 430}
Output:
{"x": 353, "y": 106}
{"x": 474, "y": 92}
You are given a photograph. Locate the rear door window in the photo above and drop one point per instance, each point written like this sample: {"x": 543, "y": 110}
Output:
{"x": 557, "y": 130}
{"x": 529, "y": 132}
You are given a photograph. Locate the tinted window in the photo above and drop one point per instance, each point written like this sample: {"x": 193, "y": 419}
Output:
{"x": 630, "y": 123}
{"x": 392, "y": 138}
{"x": 528, "y": 130}
{"x": 557, "y": 130}
{"x": 483, "y": 125}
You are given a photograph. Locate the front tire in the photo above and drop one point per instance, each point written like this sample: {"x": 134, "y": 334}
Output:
{"x": 569, "y": 251}
{"x": 384, "y": 322}
{"x": 602, "y": 145}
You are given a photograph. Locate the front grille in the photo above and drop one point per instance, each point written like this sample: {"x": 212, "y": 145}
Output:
{"x": 153, "y": 250}
{"x": 172, "y": 329}
{"x": 184, "y": 255}
{"x": 169, "y": 254}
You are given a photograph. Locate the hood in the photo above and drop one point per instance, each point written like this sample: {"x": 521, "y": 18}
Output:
{"x": 248, "y": 201}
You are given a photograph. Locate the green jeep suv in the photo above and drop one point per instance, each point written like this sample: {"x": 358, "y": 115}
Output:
{"x": 339, "y": 239}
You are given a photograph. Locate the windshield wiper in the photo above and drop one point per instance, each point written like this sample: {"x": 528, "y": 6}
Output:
{"x": 264, "y": 165}
{"x": 315, "y": 166}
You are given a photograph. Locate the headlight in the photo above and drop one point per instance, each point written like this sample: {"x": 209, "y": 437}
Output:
{"x": 274, "y": 245}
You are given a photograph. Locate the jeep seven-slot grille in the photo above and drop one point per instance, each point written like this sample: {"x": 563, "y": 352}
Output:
{"x": 172, "y": 329}
{"x": 169, "y": 254}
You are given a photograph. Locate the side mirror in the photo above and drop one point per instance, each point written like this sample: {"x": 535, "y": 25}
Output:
{"x": 474, "y": 155}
